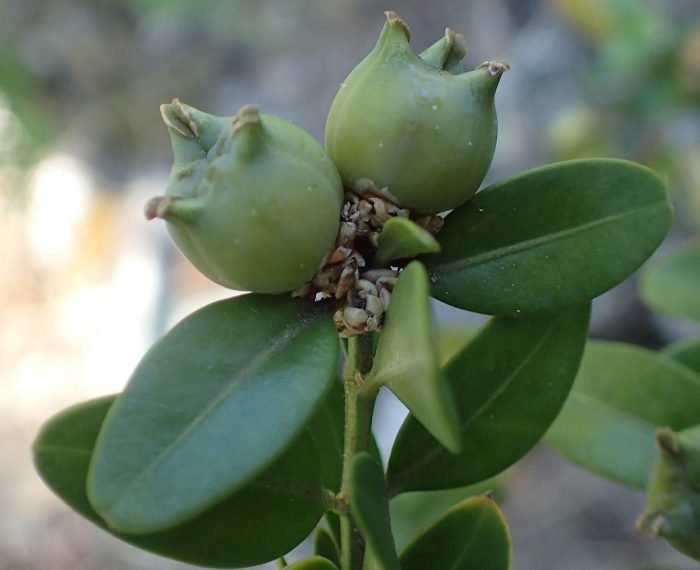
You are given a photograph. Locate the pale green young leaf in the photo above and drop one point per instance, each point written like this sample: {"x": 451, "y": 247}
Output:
{"x": 401, "y": 238}
{"x": 672, "y": 284}
{"x": 687, "y": 352}
{"x": 621, "y": 395}
{"x": 407, "y": 362}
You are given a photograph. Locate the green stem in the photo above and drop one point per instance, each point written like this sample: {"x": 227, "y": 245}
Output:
{"x": 281, "y": 562}
{"x": 359, "y": 406}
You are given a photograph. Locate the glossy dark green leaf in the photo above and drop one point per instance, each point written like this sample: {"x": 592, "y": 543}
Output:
{"x": 284, "y": 501}
{"x": 313, "y": 563}
{"x": 370, "y": 509}
{"x": 325, "y": 546}
{"x": 327, "y": 430}
{"x": 550, "y": 237}
{"x": 472, "y": 535}
{"x": 412, "y": 512}
{"x": 401, "y": 238}
{"x": 327, "y": 427}
{"x": 407, "y": 362}
{"x": 509, "y": 382}
{"x": 210, "y": 406}
{"x": 672, "y": 284}
{"x": 621, "y": 395}
{"x": 687, "y": 352}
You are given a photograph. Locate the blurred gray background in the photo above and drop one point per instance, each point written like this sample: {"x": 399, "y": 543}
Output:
{"x": 86, "y": 284}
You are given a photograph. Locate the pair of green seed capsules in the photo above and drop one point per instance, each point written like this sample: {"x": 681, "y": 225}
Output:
{"x": 254, "y": 201}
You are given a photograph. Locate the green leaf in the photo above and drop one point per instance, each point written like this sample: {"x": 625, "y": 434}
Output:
{"x": 401, "y": 238}
{"x": 411, "y": 512}
{"x": 371, "y": 562}
{"x": 509, "y": 382}
{"x": 325, "y": 545}
{"x": 333, "y": 521}
{"x": 672, "y": 284}
{"x": 313, "y": 563}
{"x": 210, "y": 406}
{"x": 284, "y": 501}
{"x": 450, "y": 340}
{"x": 687, "y": 352}
{"x": 470, "y": 536}
{"x": 406, "y": 360}
{"x": 553, "y": 236}
{"x": 370, "y": 509}
{"x": 621, "y": 395}
{"x": 327, "y": 428}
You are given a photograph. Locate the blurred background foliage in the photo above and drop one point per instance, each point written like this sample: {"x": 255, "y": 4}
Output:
{"x": 86, "y": 284}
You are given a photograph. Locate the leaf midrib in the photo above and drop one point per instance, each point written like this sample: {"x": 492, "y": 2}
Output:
{"x": 462, "y": 555}
{"x": 513, "y": 249}
{"x": 275, "y": 345}
{"x": 435, "y": 450}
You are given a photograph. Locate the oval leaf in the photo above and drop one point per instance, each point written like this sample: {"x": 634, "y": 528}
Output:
{"x": 407, "y": 362}
{"x": 621, "y": 395}
{"x": 687, "y": 352}
{"x": 401, "y": 238}
{"x": 672, "y": 284}
{"x": 412, "y": 512}
{"x": 550, "y": 237}
{"x": 509, "y": 382}
{"x": 370, "y": 509}
{"x": 284, "y": 501}
{"x": 472, "y": 535}
{"x": 210, "y": 406}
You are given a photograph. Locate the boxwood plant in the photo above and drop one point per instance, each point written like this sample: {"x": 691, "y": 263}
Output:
{"x": 236, "y": 433}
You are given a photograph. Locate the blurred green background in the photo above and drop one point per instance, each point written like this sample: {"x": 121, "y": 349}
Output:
{"x": 86, "y": 284}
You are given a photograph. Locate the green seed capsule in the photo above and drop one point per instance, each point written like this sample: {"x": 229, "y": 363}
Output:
{"x": 415, "y": 125}
{"x": 252, "y": 201}
{"x": 673, "y": 496}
